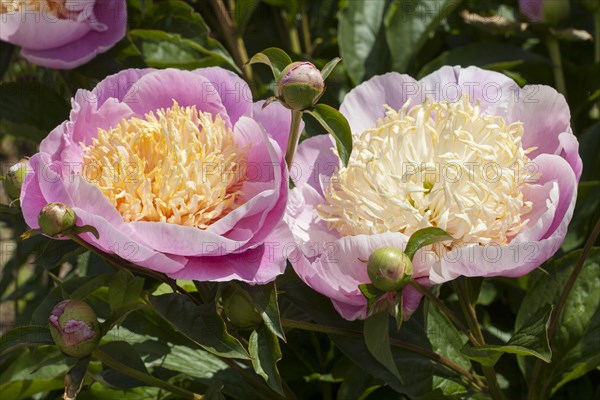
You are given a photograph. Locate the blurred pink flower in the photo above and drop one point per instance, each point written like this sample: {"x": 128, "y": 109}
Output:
{"x": 179, "y": 172}
{"x": 463, "y": 149}
{"x": 62, "y": 34}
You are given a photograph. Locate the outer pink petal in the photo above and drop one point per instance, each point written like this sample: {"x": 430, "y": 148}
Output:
{"x": 33, "y": 30}
{"x": 160, "y": 88}
{"x": 118, "y": 85}
{"x": 233, "y": 91}
{"x": 276, "y": 119}
{"x": 259, "y": 265}
{"x": 546, "y": 117}
{"x": 314, "y": 162}
{"x": 338, "y": 271}
{"x": 363, "y": 106}
{"x": 112, "y": 14}
{"x": 522, "y": 254}
{"x": 492, "y": 90}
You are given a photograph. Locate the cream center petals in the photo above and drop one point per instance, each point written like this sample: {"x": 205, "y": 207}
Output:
{"x": 437, "y": 164}
{"x": 53, "y": 7}
{"x": 178, "y": 165}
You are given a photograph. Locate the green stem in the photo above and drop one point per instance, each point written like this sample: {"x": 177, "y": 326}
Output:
{"x": 434, "y": 299}
{"x": 556, "y": 314}
{"x": 293, "y": 137}
{"x": 306, "y": 34}
{"x": 557, "y": 68}
{"x": 332, "y": 330}
{"x": 141, "y": 376}
{"x": 294, "y": 39}
{"x": 477, "y": 338}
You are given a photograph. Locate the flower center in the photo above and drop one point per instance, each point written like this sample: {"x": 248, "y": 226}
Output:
{"x": 54, "y": 7}
{"x": 178, "y": 165}
{"x": 437, "y": 164}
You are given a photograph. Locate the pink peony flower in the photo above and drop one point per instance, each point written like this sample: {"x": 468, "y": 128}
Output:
{"x": 62, "y": 34}
{"x": 463, "y": 149}
{"x": 178, "y": 171}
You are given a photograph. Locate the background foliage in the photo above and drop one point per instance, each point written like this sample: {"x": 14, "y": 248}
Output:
{"x": 304, "y": 349}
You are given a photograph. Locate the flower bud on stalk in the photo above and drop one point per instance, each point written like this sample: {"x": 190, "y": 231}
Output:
{"x": 56, "y": 219}
{"x": 389, "y": 269}
{"x": 13, "y": 181}
{"x": 74, "y": 328}
{"x": 300, "y": 86}
{"x": 240, "y": 310}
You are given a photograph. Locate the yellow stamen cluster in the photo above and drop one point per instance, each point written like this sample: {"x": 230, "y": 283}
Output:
{"x": 54, "y": 7}
{"x": 436, "y": 164}
{"x": 177, "y": 165}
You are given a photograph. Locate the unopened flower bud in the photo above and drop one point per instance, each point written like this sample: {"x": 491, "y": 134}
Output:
{"x": 240, "y": 310}
{"x": 389, "y": 269}
{"x": 300, "y": 85}
{"x": 74, "y": 328}
{"x": 14, "y": 180}
{"x": 56, "y": 219}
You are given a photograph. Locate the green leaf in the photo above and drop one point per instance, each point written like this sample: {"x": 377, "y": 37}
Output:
{"x": 361, "y": 38}
{"x": 8, "y": 210}
{"x": 378, "y": 341}
{"x": 530, "y": 340}
{"x": 30, "y": 109}
{"x": 424, "y": 237}
{"x": 124, "y": 353}
{"x": 185, "y": 34}
{"x": 75, "y": 377}
{"x": 200, "y": 323}
{"x": 575, "y": 345}
{"x": 6, "y": 51}
{"x": 264, "y": 298}
{"x": 275, "y": 58}
{"x": 328, "y": 68}
{"x": 123, "y": 289}
{"x": 25, "y": 336}
{"x": 264, "y": 349}
{"x": 336, "y": 125}
{"x": 243, "y": 12}
{"x": 409, "y": 25}
{"x": 120, "y": 313}
{"x": 168, "y": 50}
{"x": 90, "y": 286}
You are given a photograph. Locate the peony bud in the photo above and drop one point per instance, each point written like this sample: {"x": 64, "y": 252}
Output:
{"x": 240, "y": 310}
{"x": 14, "y": 180}
{"x": 56, "y": 219}
{"x": 389, "y": 269}
{"x": 300, "y": 85}
{"x": 74, "y": 328}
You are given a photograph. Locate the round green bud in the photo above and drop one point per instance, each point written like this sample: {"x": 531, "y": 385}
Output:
{"x": 240, "y": 310}
{"x": 389, "y": 269}
{"x": 56, "y": 219}
{"x": 300, "y": 85}
{"x": 13, "y": 181}
{"x": 74, "y": 328}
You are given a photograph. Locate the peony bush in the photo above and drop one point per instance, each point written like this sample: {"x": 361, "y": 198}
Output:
{"x": 396, "y": 200}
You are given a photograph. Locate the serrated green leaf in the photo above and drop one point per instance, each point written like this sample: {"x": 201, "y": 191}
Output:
{"x": 200, "y": 323}
{"x": 337, "y": 126}
{"x": 265, "y": 352}
{"x": 424, "y": 237}
{"x": 377, "y": 339}
{"x": 274, "y": 57}
{"x": 31, "y": 335}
